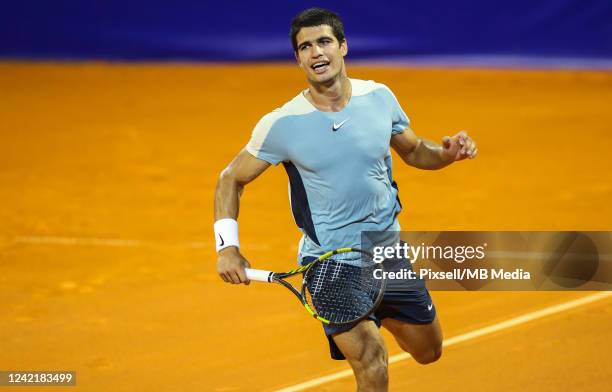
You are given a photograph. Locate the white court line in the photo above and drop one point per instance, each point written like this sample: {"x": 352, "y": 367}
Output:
{"x": 121, "y": 243}
{"x": 92, "y": 241}
{"x": 527, "y": 317}
{"x": 133, "y": 243}
{"x": 546, "y": 256}
{"x": 95, "y": 241}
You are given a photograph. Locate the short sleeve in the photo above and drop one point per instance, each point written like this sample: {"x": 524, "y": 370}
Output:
{"x": 399, "y": 119}
{"x": 265, "y": 142}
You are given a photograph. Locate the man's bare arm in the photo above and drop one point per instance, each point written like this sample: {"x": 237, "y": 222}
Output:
{"x": 243, "y": 169}
{"x": 424, "y": 154}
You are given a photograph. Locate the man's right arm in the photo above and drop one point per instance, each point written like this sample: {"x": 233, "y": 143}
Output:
{"x": 243, "y": 169}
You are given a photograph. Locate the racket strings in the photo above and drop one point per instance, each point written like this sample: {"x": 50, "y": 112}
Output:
{"x": 341, "y": 292}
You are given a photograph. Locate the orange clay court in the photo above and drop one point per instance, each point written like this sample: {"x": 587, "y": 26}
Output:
{"x": 107, "y": 261}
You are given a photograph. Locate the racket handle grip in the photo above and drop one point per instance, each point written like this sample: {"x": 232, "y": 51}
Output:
{"x": 258, "y": 275}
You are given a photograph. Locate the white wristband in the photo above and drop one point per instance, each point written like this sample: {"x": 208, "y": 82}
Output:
{"x": 226, "y": 233}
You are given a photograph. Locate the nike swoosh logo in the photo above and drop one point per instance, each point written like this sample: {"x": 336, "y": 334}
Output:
{"x": 430, "y": 307}
{"x": 335, "y": 127}
{"x": 222, "y": 242}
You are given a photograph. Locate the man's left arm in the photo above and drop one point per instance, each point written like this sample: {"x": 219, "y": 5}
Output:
{"x": 424, "y": 154}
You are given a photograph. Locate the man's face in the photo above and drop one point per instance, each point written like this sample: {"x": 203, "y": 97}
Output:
{"x": 319, "y": 53}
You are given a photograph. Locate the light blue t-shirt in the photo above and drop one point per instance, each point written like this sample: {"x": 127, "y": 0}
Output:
{"x": 338, "y": 163}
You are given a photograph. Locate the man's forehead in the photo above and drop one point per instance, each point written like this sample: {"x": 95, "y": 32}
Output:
{"x": 314, "y": 32}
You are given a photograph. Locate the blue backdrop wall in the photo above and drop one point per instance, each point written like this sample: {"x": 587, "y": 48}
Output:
{"x": 258, "y": 30}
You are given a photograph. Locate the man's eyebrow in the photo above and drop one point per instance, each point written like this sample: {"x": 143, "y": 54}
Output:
{"x": 316, "y": 39}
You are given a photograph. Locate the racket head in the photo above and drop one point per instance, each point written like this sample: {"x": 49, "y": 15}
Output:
{"x": 341, "y": 287}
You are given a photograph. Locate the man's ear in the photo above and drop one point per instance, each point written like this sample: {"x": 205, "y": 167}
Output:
{"x": 344, "y": 48}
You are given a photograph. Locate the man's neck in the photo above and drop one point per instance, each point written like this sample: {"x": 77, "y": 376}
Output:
{"x": 332, "y": 97}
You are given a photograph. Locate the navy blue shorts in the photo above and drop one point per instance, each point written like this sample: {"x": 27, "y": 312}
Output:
{"x": 403, "y": 300}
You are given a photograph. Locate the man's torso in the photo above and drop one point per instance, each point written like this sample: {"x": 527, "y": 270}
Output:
{"x": 339, "y": 164}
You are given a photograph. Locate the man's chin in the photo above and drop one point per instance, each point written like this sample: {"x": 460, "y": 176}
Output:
{"x": 324, "y": 78}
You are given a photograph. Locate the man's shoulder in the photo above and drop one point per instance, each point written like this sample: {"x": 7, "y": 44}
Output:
{"x": 377, "y": 91}
{"x": 297, "y": 106}
{"x": 365, "y": 87}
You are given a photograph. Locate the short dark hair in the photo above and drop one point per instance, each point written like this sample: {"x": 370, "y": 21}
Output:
{"x": 316, "y": 17}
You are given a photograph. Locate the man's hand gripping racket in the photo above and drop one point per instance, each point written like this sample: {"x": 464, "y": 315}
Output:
{"x": 340, "y": 287}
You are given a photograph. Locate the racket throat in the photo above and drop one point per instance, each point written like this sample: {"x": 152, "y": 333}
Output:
{"x": 315, "y": 315}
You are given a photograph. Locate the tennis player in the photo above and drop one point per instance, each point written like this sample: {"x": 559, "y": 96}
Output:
{"x": 334, "y": 141}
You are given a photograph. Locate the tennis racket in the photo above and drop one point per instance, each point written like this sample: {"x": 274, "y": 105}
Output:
{"x": 339, "y": 287}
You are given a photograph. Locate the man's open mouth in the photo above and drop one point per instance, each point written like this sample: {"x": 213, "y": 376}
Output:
{"x": 320, "y": 67}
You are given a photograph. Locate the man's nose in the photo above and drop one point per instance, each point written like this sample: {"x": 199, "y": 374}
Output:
{"x": 316, "y": 51}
